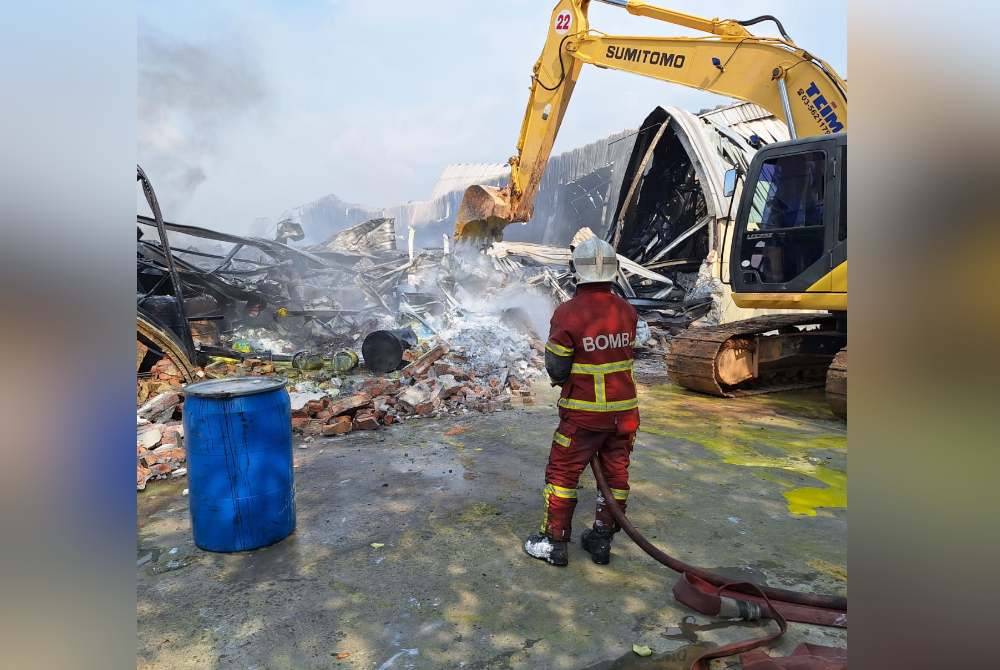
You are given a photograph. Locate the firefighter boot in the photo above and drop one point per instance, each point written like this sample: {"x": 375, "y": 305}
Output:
{"x": 542, "y": 547}
{"x": 597, "y": 543}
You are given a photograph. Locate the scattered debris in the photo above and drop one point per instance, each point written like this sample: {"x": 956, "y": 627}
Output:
{"x": 642, "y": 650}
{"x": 405, "y": 652}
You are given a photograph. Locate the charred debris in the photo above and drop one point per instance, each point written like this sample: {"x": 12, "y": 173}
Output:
{"x": 206, "y": 296}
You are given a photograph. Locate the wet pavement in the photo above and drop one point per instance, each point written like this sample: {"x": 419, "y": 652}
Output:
{"x": 755, "y": 486}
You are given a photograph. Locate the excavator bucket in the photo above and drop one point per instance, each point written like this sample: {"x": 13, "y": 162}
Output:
{"x": 483, "y": 214}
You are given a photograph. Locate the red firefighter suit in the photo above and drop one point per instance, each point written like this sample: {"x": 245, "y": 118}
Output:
{"x": 589, "y": 351}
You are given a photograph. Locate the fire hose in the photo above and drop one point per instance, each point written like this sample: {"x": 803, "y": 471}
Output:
{"x": 715, "y": 595}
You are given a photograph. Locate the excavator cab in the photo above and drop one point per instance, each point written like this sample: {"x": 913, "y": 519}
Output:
{"x": 789, "y": 252}
{"x": 790, "y": 239}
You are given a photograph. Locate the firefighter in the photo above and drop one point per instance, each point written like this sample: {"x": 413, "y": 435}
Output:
{"x": 589, "y": 354}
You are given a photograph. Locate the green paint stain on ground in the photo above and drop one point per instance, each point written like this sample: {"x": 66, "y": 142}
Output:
{"x": 771, "y": 432}
{"x": 838, "y": 572}
{"x": 477, "y": 512}
{"x": 806, "y": 499}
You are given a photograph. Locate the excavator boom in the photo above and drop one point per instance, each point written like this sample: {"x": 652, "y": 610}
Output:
{"x": 772, "y": 72}
{"x": 789, "y": 234}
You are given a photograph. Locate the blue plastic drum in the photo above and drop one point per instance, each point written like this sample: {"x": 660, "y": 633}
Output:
{"x": 239, "y": 457}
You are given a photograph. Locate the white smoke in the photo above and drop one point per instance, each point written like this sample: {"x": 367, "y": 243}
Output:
{"x": 189, "y": 97}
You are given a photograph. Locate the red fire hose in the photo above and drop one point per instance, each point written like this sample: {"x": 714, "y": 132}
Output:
{"x": 711, "y": 593}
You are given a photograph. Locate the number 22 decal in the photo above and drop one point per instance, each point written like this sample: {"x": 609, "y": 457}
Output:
{"x": 563, "y": 21}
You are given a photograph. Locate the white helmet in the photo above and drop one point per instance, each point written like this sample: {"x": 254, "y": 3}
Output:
{"x": 594, "y": 260}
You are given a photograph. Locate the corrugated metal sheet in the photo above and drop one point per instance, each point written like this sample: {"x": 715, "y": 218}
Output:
{"x": 746, "y": 119}
{"x": 372, "y": 235}
{"x": 555, "y": 217}
{"x": 716, "y": 141}
{"x": 460, "y": 176}
{"x": 703, "y": 147}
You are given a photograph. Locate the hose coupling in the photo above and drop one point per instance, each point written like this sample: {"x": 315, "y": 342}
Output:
{"x": 733, "y": 608}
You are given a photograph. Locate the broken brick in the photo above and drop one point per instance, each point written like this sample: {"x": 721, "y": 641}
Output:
{"x": 352, "y": 402}
{"x": 165, "y": 370}
{"x": 428, "y": 407}
{"x": 447, "y": 386}
{"x": 171, "y": 437}
{"x": 299, "y": 422}
{"x": 148, "y": 436}
{"x": 160, "y": 469}
{"x": 365, "y": 420}
{"x": 165, "y": 454}
{"x": 142, "y": 476}
{"x": 420, "y": 366}
{"x": 442, "y": 368}
{"x": 313, "y": 427}
{"x": 160, "y": 407}
{"x": 380, "y": 386}
{"x": 381, "y": 403}
{"x": 338, "y": 426}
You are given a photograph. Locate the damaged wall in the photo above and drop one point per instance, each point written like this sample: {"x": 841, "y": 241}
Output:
{"x": 672, "y": 209}
{"x": 319, "y": 219}
{"x": 577, "y": 190}
{"x": 675, "y": 203}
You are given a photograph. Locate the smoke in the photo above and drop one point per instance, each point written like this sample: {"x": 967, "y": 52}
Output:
{"x": 536, "y": 307}
{"x": 191, "y": 96}
{"x": 481, "y": 294}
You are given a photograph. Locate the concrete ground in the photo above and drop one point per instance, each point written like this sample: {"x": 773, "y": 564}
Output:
{"x": 755, "y": 486}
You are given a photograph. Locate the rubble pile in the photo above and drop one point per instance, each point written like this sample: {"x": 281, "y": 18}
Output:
{"x": 483, "y": 366}
{"x": 159, "y": 432}
{"x": 159, "y": 451}
{"x": 444, "y": 379}
{"x": 162, "y": 376}
{"x": 229, "y": 306}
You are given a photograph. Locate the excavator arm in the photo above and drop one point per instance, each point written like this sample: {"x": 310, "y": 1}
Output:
{"x": 772, "y": 72}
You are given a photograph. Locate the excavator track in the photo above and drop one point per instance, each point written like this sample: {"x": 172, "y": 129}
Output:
{"x": 836, "y": 384}
{"x": 761, "y": 355}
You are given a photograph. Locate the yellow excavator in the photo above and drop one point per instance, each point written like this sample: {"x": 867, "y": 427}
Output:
{"x": 788, "y": 250}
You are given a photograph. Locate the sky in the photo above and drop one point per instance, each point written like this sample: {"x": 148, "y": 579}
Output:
{"x": 250, "y": 107}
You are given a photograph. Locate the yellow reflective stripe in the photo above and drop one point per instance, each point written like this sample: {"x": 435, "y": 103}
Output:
{"x": 620, "y": 494}
{"x": 561, "y": 439}
{"x": 588, "y": 406}
{"x": 545, "y": 511}
{"x": 598, "y": 370}
{"x": 558, "y": 349}
{"x": 560, "y": 491}
{"x": 600, "y": 402}
{"x": 601, "y": 368}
